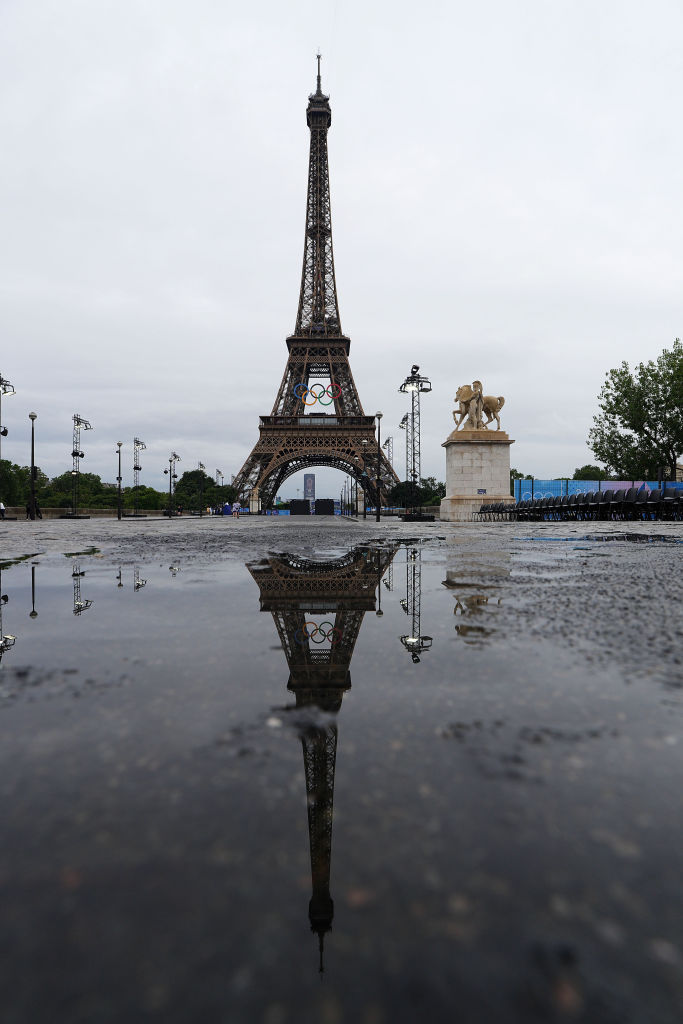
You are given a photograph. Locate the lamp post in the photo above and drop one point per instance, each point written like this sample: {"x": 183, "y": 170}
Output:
{"x": 33, "y": 417}
{"x": 201, "y": 467}
{"x": 378, "y": 417}
{"x": 119, "y": 513}
{"x": 5, "y": 389}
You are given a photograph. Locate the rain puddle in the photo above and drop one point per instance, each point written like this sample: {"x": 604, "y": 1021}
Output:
{"x": 350, "y": 787}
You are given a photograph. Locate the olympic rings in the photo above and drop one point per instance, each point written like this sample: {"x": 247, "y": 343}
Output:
{"x": 302, "y": 391}
{"x": 311, "y": 631}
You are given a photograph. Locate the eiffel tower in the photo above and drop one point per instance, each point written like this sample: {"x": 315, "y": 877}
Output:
{"x": 293, "y": 589}
{"x": 317, "y": 418}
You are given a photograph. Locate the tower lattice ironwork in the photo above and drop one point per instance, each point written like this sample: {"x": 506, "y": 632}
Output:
{"x": 317, "y": 418}
{"x": 341, "y": 591}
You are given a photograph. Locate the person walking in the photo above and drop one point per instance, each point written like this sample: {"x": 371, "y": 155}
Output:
{"x": 236, "y": 510}
{"x": 2, "y": 510}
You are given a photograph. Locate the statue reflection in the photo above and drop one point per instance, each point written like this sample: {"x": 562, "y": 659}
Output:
{"x": 476, "y": 581}
{"x": 318, "y": 609}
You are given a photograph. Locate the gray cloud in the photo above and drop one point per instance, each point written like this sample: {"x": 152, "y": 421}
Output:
{"x": 506, "y": 205}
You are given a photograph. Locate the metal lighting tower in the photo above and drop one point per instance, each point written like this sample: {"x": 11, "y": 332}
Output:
{"x": 5, "y": 389}
{"x": 413, "y": 642}
{"x": 77, "y": 455}
{"x": 414, "y": 385}
{"x": 405, "y": 425}
{"x": 172, "y": 475}
{"x": 388, "y": 447}
{"x": 219, "y": 474}
{"x": 138, "y": 446}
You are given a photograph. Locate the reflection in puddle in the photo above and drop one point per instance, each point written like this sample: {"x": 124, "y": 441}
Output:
{"x": 7, "y": 640}
{"x": 318, "y": 610}
{"x": 605, "y": 538}
{"x": 414, "y": 642}
{"x": 473, "y": 609}
{"x": 162, "y": 814}
{"x": 80, "y": 603}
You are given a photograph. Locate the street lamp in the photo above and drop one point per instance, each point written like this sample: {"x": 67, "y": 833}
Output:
{"x": 364, "y": 488}
{"x": 201, "y": 468}
{"x": 33, "y": 417}
{"x": 378, "y": 417}
{"x": 5, "y": 389}
{"x": 118, "y": 481}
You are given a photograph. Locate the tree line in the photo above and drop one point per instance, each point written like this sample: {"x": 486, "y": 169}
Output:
{"x": 194, "y": 489}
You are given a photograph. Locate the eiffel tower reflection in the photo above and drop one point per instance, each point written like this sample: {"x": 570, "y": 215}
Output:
{"x": 339, "y": 592}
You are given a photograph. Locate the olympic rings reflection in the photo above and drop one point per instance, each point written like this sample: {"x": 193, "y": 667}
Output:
{"x": 303, "y": 392}
{"x": 318, "y": 634}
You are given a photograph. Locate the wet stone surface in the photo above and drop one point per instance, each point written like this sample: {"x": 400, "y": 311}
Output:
{"x": 443, "y": 764}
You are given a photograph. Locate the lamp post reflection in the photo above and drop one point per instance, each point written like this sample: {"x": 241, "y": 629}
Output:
{"x": 33, "y": 614}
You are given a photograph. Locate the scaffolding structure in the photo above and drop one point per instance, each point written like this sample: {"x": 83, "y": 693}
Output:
{"x": 405, "y": 425}
{"x": 414, "y": 385}
{"x": 76, "y": 456}
{"x": 138, "y": 446}
{"x": 388, "y": 447}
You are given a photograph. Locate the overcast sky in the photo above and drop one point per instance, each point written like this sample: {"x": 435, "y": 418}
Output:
{"x": 506, "y": 201}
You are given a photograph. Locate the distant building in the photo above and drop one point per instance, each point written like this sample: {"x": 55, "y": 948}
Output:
{"x": 309, "y": 486}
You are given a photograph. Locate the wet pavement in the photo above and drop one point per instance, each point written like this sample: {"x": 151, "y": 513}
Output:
{"x": 326, "y": 771}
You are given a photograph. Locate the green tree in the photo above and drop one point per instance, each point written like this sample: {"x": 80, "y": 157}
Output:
{"x": 196, "y": 489}
{"x": 640, "y": 426}
{"x": 15, "y": 482}
{"x": 516, "y": 475}
{"x": 407, "y": 495}
{"x": 92, "y": 493}
{"x": 589, "y": 472}
{"x": 148, "y": 498}
{"x": 433, "y": 490}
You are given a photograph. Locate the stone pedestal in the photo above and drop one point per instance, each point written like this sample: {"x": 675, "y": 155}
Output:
{"x": 477, "y": 472}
